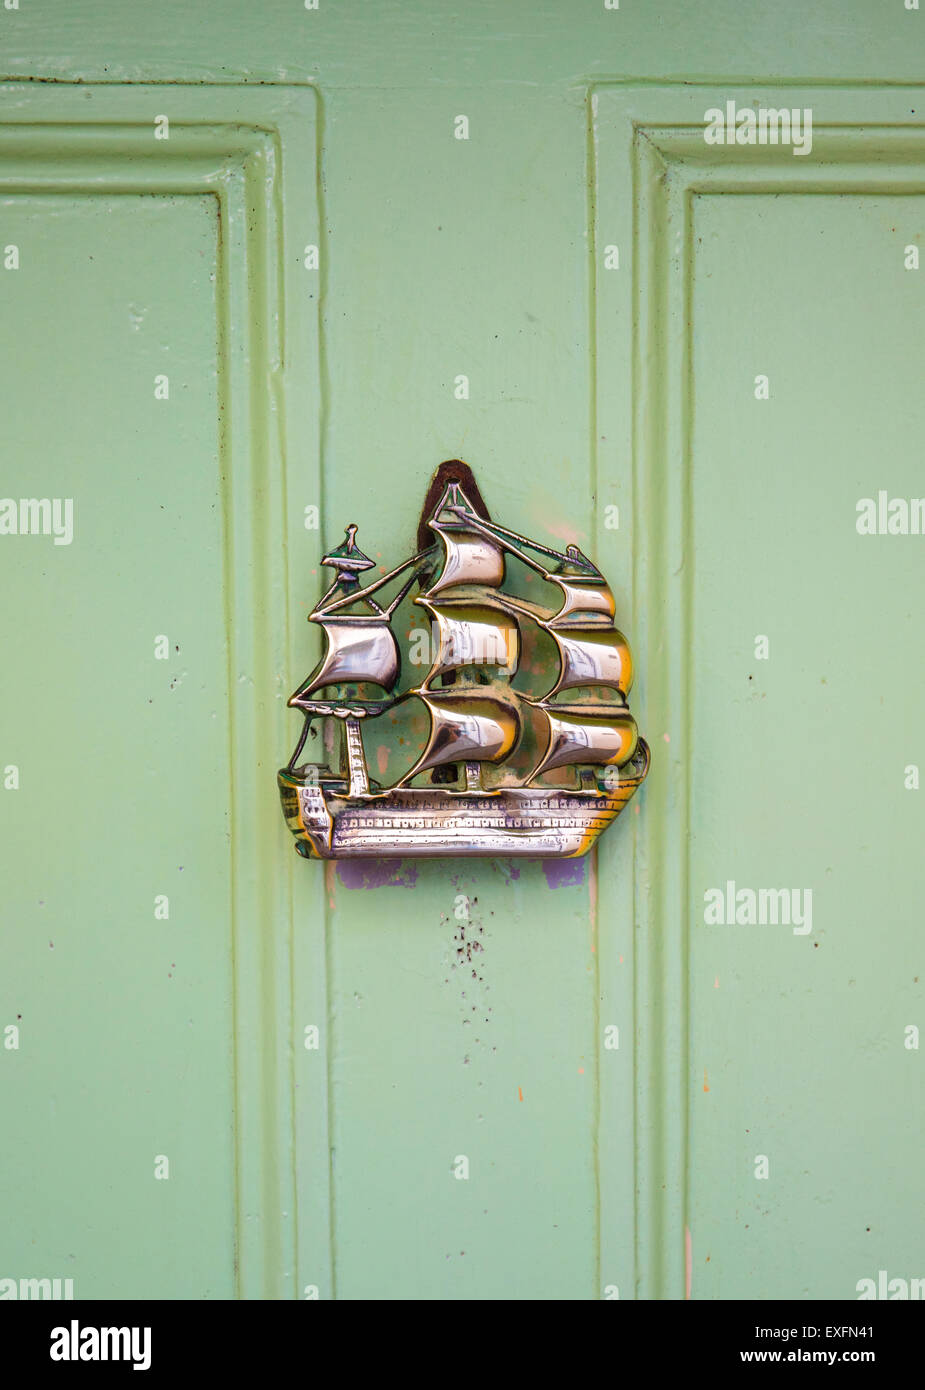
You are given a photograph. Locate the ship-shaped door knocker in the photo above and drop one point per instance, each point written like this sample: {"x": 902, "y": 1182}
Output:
{"x": 503, "y": 770}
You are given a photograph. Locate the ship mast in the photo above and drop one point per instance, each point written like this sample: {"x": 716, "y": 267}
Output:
{"x": 359, "y": 648}
{"x": 473, "y": 719}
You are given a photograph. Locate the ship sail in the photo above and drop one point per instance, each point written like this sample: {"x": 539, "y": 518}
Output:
{"x": 470, "y": 557}
{"x": 594, "y": 602}
{"x": 472, "y": 633}
{"x": 360, "y": 649}
{"x": 469, "y": 560}
{"x": 477, "y": 639}
{"x": 591, "y": 656}
{"x": 592, "y": 653}
{"x": 357, "y": 649}
{"x": 591, "y": 734}
{"x": 474, "y": 623}
{"x": 599, "y": 734}
{"x": 466, "y": 725}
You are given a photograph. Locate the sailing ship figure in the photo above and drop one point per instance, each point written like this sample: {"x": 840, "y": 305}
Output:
{"x": 466, "y": 794}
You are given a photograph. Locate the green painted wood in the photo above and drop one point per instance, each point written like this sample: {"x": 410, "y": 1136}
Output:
{"x": 329, "y": 1171}
{"x": 417, "y": 44}
{"x": 433, "y": 1044}
{"x": 755, "y": 1041}
{"x": 120, "y": 1015}
{"x": 180, "y": 525}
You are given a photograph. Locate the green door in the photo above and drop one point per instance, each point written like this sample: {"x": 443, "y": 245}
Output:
{"x": 262, "y": 270}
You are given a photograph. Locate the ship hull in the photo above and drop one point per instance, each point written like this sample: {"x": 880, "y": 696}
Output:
{"x": 431, "y": 822}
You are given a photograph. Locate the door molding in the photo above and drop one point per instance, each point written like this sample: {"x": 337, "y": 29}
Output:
{"x": 255, "y": 151}
{"x": 648, "y": 164}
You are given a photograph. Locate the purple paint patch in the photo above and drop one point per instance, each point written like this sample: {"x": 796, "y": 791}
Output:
{"x": 564, "y": 873}
{"x": 376, "y": 873}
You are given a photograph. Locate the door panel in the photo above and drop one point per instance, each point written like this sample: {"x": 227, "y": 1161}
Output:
{"x": 145, "y": 952}
{"x": 802, "y": 1029}
{"x": 773, "y": 366}
{"x": 122, "y": 1013}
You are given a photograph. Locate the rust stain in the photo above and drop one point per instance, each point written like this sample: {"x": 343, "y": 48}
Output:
{"x": 706, "y": 1086}
{"x": 450, "y": 471}
{"x": 520, "y": 1094}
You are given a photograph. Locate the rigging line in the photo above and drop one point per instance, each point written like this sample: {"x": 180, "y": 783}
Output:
{"x": 361, "y": 594}
{"x": 496, "y": 532}
{"x": 318, "y": 608}
{"x": 402, "y": 593}
{"x": 290, "y": 766}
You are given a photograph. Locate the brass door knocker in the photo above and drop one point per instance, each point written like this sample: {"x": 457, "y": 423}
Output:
{"x": 482, "y": 782}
